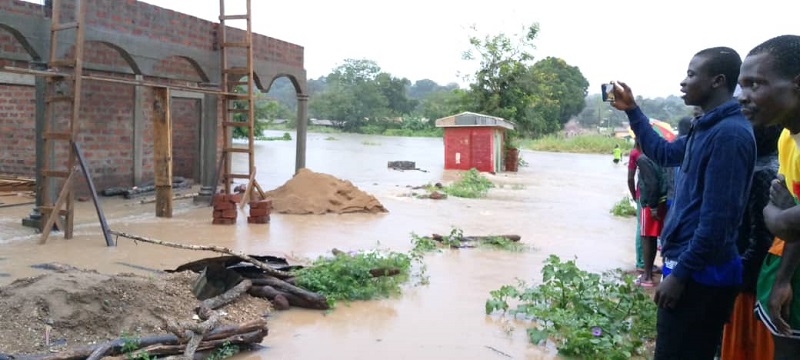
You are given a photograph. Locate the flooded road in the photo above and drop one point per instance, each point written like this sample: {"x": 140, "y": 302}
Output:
{"x": 559, "y": 204}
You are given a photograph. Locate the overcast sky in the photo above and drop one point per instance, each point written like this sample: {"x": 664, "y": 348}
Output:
{"x": 648, "y": 44}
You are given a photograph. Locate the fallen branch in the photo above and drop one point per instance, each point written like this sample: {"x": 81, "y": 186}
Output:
{"x": 228, "y": 297}
{"x": 176, "y": 197}
{"x": 252, "y": 332}
{"x": 514, "y": 238}
{"x": 267, "y": 269}
{"x": 296, "y": 296}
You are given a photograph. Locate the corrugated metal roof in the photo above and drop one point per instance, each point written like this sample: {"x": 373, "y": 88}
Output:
{"x": 467, "y": 118}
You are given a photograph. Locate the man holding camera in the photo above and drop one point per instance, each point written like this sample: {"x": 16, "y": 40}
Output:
{"x": 702, "y": 267}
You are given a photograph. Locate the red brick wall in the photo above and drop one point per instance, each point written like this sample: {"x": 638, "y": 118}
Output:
{"x": 185, "y": 136}
{"x": 176, "y": 67}
{"x": 100, "y": 54}
{"x": 21, "y": 7}
{"x": 17, "y": 130}
{"x": 107, "y": 109}
{"x": 474, "y": 146}
{"x": 106, "y": 132}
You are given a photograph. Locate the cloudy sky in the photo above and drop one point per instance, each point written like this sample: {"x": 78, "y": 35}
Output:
{"x": 648, "y": 44}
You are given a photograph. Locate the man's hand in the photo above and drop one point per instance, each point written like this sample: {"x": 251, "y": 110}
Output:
{"x": 623, "y": 97}
{"x": 780, "y": 299}
{"x": 779, "y": 194}
{"x": 654, "y": 213}
{"x": 668, "y": 292}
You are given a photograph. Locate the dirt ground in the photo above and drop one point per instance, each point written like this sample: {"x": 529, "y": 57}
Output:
{"x": 311, "y": 192}
{"x": 81, "y": 307}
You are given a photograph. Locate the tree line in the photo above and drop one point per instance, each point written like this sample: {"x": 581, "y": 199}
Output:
{"x": 538, "y": 96}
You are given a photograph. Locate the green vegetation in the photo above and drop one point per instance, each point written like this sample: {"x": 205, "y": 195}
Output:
{"x": 223, "y": 352}
{"x": 588, "y": 143}
{"x": 347, "y": 277}
{"x": 285, "y": 137}
{"x": 130, "y": 345}
{"x": 471, "y": 185}
{"x": 623, "y": 208}
{"x": 370, "y": 143}
{"x": 311, "y": 128}
{"x": 423, "y": 244}
{"x": 501, "y": 243}
{"x": 586, "y": 315}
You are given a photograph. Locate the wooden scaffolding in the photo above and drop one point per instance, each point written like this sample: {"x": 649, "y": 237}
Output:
{"x": 239, "y": 84}
{"x": 62, "y": 155}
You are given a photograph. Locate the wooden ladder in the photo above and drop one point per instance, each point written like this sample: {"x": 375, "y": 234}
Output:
{"x": 62, "y": 96}
{"x": 237, "y": 100}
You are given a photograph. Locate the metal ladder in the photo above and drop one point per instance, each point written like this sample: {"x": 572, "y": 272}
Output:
{"x": 62, "y": 93}
{"x": 236, "y": 101}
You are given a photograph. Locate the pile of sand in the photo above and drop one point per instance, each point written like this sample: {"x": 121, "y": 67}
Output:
{"x": 309, "y": 192}
{"x": 85, "y": 307}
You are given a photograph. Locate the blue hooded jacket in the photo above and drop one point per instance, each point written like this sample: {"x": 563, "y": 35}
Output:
{"x": 716, "y": 162}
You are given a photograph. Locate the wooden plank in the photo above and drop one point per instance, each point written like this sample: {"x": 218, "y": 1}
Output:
{"x": 100, "y": 215}
{"x": 217, "y": 176}
{"x": 162, "y": 151}
{"x": 53, "y": 216}
{"x": 260, "y": 190}
{"x": 199, "y": 88}
{"x": 17, "y": 184}
{"x": 246, "y": 196}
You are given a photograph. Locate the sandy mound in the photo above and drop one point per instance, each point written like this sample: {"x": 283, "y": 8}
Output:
{"x": 84, "y": 307}
{"x": 309, "y": 192}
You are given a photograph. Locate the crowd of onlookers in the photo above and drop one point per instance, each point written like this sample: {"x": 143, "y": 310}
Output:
{"x": 719, "y": 202}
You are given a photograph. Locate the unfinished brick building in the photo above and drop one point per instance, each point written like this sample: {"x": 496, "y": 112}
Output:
{"x": 137, "y": 41}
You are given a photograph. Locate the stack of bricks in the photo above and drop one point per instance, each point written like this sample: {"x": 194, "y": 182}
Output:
{"x": 225, "y": 211}
{"x": 259, "y": 212}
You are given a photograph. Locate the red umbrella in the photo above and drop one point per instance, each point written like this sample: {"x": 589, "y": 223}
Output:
{"x": 662, "y": 128}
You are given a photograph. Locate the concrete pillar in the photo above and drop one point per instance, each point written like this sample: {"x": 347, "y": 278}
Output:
{"x": 208, "y": 149}
{"x": 138, "y": 132}
{"x": 302, "y": 131}
{"x": 35, "y": 217}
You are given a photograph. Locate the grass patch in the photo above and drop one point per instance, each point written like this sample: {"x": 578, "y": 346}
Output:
{"x": 501, "y": 243}
{"x": 423, "y": 244}
{"x": 286, "y": 137}
{"x": 347, "y": 277}
{"x": 585, "y": 315}
{"x": 589, "y": 143}
{"x": 623, "y": 208}
{"x": 311, "y": 128}
{"x": 471, "y": 185}
{"x": 431, "y": 132}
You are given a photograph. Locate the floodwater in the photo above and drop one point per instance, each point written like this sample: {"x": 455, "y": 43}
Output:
{"x": 559, "y": 204}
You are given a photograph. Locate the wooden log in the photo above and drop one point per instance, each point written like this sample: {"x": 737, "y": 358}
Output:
{"x": 162, "y": 151}
{"x": 277, "y": 297}
{"x": 253, "y": 337}
{"x": 254, "y": 331}
{"x": 266, "y": 268}
{"x": 378, "y": 272}
{"x": 514, "y": 238}
{"x": 296, "y": 296}
{"x": 228, "y": 297}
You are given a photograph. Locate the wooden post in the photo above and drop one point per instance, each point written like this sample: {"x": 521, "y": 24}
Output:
{"x": 162, "y": 151}
{"x": 93, "y": 190}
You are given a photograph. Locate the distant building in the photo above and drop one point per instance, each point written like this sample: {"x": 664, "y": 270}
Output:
{"x": 474, "y": 140}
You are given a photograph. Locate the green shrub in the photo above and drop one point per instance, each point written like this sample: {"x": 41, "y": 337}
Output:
{"x": 584, "y": 314}
{"x": 623, "y": 208}
{"x": 471, "y": 185}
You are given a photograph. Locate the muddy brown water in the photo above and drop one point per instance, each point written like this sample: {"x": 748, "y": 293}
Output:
{"x": 559, "y": 204}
